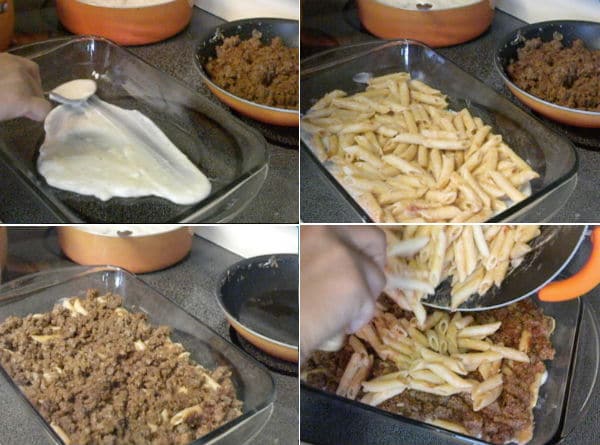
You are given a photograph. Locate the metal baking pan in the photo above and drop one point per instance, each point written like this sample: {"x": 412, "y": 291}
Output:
{"x": 39, "y": 293}
{"x": 563, "y": 399}
{"x": 231, "y": 154}
{"x": 548, "y": 153}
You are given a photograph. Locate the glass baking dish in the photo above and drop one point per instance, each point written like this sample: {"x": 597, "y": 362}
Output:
{"x": 230, "y": 153}
{"x": 563, "y": 400}
{"x": 40, "y": 292}
{"x": 548, "y": 153}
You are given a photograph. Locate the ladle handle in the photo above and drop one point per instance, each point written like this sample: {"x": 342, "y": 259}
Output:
{"x": 582, "y": 282}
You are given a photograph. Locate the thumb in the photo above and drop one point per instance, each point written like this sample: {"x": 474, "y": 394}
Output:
{"x": 37, "y": 108}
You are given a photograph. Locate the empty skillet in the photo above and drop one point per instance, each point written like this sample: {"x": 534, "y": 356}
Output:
{"x": 260, "y": 299}
{"x": 552, "y": 251}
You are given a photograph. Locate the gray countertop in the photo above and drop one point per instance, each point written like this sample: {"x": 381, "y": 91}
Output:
{"x": 277, "y": 202}
{"x": 191, "y": 284}
{"x": 320, "y": 201}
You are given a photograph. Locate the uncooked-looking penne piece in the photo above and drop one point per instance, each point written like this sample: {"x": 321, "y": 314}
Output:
{"x": 449, "y": 376}
{"x": 481, "y": 330}
{"x": 442, "y": 325}
{"x": 406, "y": 283}
{"x": 427, "y": 376}
{"x": 487, "y": 385}
{"x": 486, "y": 399}
{"x": 472, "y": 360}
{"x": 499, "y": 272}
{"x": 432, "y": 320}
{"x": 511, "y": 191}
{"x": 433, "y": 357}
{"x": 470, "y": 343}
{"x": 407, "y": 247}
{"x": 370, "y": 205}
{"x": 433, "y": 340}
{"x": 495, "y": 250}
{"x": 480, "y": 241}
{"x": 510, "y": 353}
{"x": 470, "y": 250}
{"x": 464, "y": 321}
{"x": 461, "y": 292}
{"x": 525, "y": 233}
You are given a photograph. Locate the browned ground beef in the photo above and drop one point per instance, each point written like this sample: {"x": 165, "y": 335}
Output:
{"x": 266, "y": 74}
{"x": 99, "y": 388}
{"x": 497, "y": 423}
{"x": 567, "y": 76}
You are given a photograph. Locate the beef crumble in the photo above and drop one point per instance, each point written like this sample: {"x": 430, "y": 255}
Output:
{"x": 567, "y": 76}
{"x": 502, "y": 421}
{"x": 100, "y": 374}
{"x": 266, "y": 74}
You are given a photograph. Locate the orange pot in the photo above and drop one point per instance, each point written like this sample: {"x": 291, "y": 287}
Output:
{"x": 437, "y": 27}
{"x": 7, "y": 23}
{"x": 126, "y": 26}
{"x": 138, "y": 254}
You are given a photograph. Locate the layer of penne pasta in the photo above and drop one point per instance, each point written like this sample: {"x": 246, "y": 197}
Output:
{"x": 404, "y": 156}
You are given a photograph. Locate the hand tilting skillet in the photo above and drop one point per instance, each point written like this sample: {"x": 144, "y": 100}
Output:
{"x": 552, "y": 252}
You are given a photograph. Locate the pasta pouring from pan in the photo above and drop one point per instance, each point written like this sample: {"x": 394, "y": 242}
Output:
{"x": 259, "y": 296}
{"x": 551, "y": 252}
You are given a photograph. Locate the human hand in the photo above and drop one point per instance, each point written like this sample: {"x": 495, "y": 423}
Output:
{"x": 21, "y": 93}
{"x": 342, "y": 274}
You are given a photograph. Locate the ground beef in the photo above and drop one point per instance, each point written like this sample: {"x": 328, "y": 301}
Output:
{"x": 104, "y": 375}
{"x": 497, "y": 423}
{"x": 266, "y": 74}
{"x": 567, "y": 76}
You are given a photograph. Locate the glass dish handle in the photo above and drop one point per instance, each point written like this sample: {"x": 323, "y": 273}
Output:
{"x": 44, "y": 279}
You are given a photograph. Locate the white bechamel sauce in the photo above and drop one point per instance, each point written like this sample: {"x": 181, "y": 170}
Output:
{"x": 125, "y": 3}
{"x": 106, "y": 151}
{"x": 435, "y": 4}
{"x": 78, "y": 89}
{"x": 128, "y": 230}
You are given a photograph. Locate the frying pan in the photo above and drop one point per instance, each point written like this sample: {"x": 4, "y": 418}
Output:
{"x": 571, "y": 30}
{"x": 270, "y": 28}
{"x": 259, "y": 296}
{"x": 552, "y": 251}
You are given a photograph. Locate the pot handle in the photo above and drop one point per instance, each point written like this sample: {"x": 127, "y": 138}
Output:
{"x": 580, "y": 283}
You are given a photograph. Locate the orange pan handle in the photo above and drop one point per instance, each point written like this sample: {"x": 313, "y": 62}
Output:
{"x": 580, "y": 283}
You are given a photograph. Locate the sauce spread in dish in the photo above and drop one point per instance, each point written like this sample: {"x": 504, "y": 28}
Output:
{"x": 106, "y": 151}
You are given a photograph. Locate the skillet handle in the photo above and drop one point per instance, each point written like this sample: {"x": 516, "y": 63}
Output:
{"x": 580, "y": 283}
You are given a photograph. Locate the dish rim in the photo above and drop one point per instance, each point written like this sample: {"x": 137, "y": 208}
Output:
{"x": 18, "y": 289}
{"x": 377, "y": 45}
{"x": 66, "y": 214}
